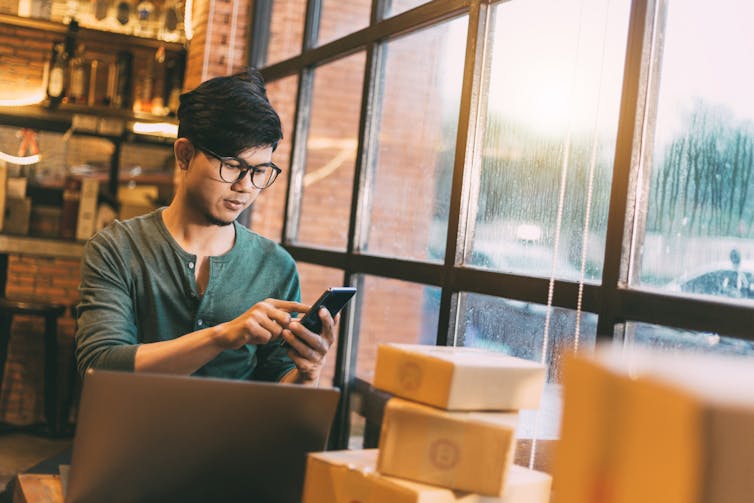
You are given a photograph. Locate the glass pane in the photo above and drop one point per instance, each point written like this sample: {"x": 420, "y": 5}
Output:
{"x": 418, "y": 123}
{"x": 383, "y": 302}
{"x": 518, "y": 328}
{"x": 341, "y": 18}
{"x": 552, "y": 115}
{"x": 331, "y": 152}
{"x": 315, "y": 280}
{"x": 675, "y": 339}
{"x": 398, "y": 6}
{"x": 286, "y": 30}
{"x": 699, "y": 235}
{"x": 356, "y": 435}
{"x": 268, "y": 209}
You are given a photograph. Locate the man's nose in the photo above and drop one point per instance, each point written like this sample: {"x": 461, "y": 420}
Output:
{"x": 244, "y": 184}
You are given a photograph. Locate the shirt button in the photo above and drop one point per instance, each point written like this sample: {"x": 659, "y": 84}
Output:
{"x": 200, "y": 322}
{"x": 191, "y": 265}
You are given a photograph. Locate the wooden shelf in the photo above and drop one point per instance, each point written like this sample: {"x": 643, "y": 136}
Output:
{"x": 108, "y": 37}
{"x": 62, "y": 115}
{"x": 44, "y": 247}
{"x": 59, "y": 119}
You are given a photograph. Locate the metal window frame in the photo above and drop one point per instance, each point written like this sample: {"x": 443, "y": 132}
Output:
{"x": 613, "y": 300}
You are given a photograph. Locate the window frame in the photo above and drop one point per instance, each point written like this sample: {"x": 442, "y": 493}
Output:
{"x": 613, "y": 300}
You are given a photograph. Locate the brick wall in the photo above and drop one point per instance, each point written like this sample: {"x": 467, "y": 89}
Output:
{"x": 286, "y": 29}
{"x": 220, "y": 40}
{"x": 267, "y": 212}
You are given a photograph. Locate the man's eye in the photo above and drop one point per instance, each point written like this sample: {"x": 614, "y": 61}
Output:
{"x": 233, "y": 165}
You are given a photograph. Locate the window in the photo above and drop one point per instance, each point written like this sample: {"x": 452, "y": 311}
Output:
{"x": 549, "y": 139}
{"x": 331, "y": 153}
{"x": 528, "y": 176}
{"x": 416, "y": 125}
{"x": 698, "y": 232}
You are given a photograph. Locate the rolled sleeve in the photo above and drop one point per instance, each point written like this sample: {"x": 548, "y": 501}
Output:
{"x": 106, "y": 334}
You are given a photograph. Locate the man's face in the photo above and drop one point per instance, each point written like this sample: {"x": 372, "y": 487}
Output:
{"x": 217, "y": 201}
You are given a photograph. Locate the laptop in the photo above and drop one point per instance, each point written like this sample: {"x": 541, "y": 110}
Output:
{"x": 154, "y": 437}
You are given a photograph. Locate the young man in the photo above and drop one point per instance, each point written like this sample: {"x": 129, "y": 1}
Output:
{"x": 186, "y": 289}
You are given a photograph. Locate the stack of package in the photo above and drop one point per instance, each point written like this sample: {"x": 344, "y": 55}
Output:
{"x": 655, "y": 427}
{"x": 450, "y": 437}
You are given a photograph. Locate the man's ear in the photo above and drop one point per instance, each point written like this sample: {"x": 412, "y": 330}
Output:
{"x": 184, "y": 152}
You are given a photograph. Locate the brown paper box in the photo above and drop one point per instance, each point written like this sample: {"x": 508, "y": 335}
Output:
{"x": 468, "y": 451}
{"x": 656, "y": 428}
{"x": 350, "y": 476}
{"x": 457, "y": 378}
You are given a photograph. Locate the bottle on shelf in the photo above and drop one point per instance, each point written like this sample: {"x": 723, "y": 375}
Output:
{"x": 158, "y": 99}
{"x": 94, "y": 72}
{"x": 173, "y": 83}
{"x": 56, "y": 75}
{"x": 70, "y": 38}
{"x": 100, "y": 8}
{"x": 145, "y": 19}
{"x": 119, "y": 81}
{"x": 58, "y": 79}
{"x": 79, "y": 78}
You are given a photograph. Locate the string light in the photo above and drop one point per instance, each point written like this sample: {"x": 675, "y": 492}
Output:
{"x": 21, "y": 161}
{"x": 33, "y": 98}
{"x": 188, "y": 27}
{"x": 160, "y": 128}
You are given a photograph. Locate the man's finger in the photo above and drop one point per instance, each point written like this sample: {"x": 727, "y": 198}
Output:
{"x": 313, "y": 341}
{"x": 288, "y": 305}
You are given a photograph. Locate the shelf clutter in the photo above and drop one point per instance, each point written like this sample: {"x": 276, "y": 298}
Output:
{"x": 460, "y": 451}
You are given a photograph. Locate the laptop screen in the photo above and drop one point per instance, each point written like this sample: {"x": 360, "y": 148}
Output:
{"x": 156, "y": 437}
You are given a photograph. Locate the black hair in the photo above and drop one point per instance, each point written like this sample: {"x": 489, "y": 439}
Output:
{"x": 229, "y": 114}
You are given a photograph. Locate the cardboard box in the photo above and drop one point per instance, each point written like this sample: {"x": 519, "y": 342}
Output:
{"x": 656, "y": 427}
{"x": 468, "y": 451}
{"x": 85, "y": 224}
{"x": 457, "y": 378}
{"x": 17, "y": 214}
{"x": 350, "y": 476}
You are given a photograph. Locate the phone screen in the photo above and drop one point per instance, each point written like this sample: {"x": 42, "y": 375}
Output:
{"x": 333, "y": 299}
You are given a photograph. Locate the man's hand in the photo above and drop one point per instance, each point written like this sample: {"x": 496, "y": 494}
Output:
{"x": 308, "y": 349}
{"x": 262, "y": 323}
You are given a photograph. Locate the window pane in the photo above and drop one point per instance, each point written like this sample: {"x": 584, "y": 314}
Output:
{"x": 398, "y": 6}
{"x": 418, "y": 123}
{"x": 394, "y": 311}
{"x": 518, "y": 328}
{"x": 552, "y": 115}
{"x": 699, "y": 234}
{"x": 315, "y": 280}
{"x": 267, "y": 211}
{"x": 331, "y": 152}
{"x": 675, "y": 339}
{"x": 286, "y": 30}
{"x": 341, "y": 18}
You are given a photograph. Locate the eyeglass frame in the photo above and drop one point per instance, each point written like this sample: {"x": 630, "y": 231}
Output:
{"x": 245, "y": 168}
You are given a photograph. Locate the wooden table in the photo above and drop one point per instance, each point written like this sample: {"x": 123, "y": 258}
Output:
{"x": 36, "y": 488}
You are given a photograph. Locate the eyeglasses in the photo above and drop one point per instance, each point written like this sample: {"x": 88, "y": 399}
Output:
{"x": 233, "y": 169}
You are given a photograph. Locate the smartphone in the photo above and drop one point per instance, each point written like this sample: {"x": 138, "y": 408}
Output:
{"x": 334, "y": 299}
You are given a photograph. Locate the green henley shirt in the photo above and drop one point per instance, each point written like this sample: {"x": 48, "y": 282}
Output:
{"x": 138, "y": 286}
